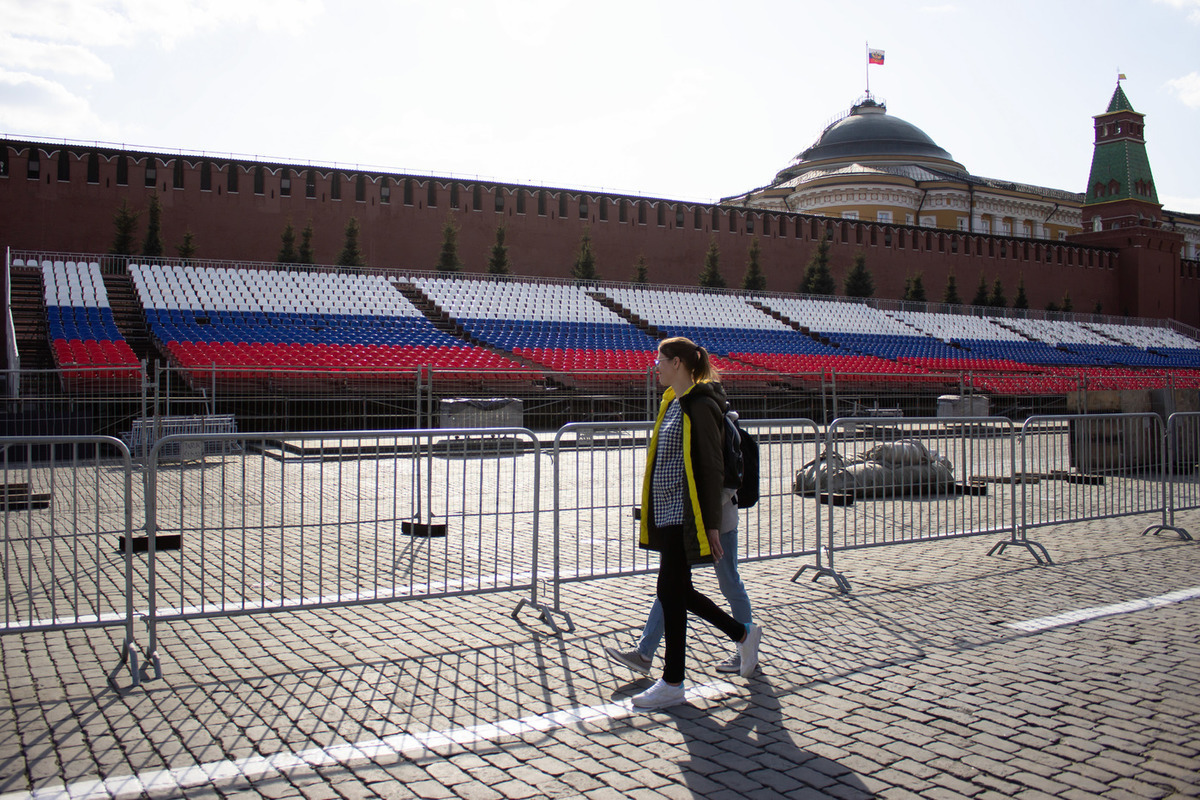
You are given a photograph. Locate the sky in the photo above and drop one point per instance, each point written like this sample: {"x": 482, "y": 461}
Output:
{"x": 692, "y": 100}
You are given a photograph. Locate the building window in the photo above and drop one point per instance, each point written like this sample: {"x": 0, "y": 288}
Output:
{"x": 849, "y": 215}
{"x": 603, "y": 203}
{"x": 152, "y": 172}
{"x": 562, "y": 204}
{"x": 882, "y": 216}
{"x": 64, "y": 165}
{"x": 122, "y": 170}
{"x": 541, "y": 202}
{"x": 583, "y": 207}
{"x": 1026, "y": 229}
{"x": 521, "y": 193}
{"x": 232, "y": 186}
{"x": 259, "y": 181}
{"x": 360, "y": 189}
{"x": 285, "y": 182}
{"x": 962, "y": 223}
{"x": 454, "y": 195}
{"x": 93, "y": 169}
{"x": 385, "y": 191}
{"x": 335, "y": 186}
{"x": 928, "y": 222}
{"x": 310, "y": 184}
{"x": 749, "y": 223}
{"x": 408, "y": 191}
{"x": 431, "y": 194}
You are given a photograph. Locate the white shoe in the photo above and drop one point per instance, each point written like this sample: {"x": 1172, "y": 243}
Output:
{"x": 630, "y": 658}
{"x": 748, "y": 650}
{"x": 660, "y": 695}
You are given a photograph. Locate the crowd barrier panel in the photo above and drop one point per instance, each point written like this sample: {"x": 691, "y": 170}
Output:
{"x": 598, "y": 470}
{"x": 1077, "y": 467}
{"x": 284, "y": 522}
{"x": 67, "y": 559}
{"x": 895, "y": 480}
{"x": 1182, "y": 473}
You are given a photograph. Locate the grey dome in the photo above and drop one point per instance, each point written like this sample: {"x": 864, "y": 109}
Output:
{"x": 869, "y": 133}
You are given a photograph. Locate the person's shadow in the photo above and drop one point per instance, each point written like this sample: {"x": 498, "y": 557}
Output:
{"x": 750, "y": 754}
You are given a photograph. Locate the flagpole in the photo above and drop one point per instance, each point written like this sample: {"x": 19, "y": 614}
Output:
{"x": 868, "y": 67}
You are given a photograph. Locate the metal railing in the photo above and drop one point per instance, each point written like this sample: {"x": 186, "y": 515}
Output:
{"x": 66, "y": 558}
{"x": 247, "y": 523}
{"x": 289, "y": 522}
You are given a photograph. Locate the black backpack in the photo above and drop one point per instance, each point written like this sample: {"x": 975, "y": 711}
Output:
{"x": 741, "y": 461}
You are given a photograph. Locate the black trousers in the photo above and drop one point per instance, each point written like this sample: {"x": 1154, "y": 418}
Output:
{"x": 678, "y": 597}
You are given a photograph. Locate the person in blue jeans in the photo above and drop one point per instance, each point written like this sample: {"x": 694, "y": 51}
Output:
{"x": 641, "y": 657}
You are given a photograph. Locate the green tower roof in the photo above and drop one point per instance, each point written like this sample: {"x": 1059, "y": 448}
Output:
{"x": 1119, "y": 101}
{"x": 1120, "y": 165}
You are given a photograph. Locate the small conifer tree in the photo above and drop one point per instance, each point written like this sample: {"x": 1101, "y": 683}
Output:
{"x": 351, "y": 255}
{"x": 710, "y": 275}
{"x": 950, "y": 296}
{"x": 639, "y": 271}
{"x": 125, "y": 222}
{"x": 817, "y": 277}
{"x": 997, "y": 299}
{"x": 584, "y": 268}
{"x": 1066, "y": 304}
{"x": 287, "y": 245}
{"x": 859, "y": 282}
{"x": 153, "y": 245}
{"x": 305, "y": 253}
{"x": 448, "y": 257}
{"x": 914, "y": 288}
{"x": 754, "y": 280}
{"x": 981, "y": 294}
{"x": 498, "y": 262}
{"x": 1022, "y": 300}
{"x": 187, "y": 248}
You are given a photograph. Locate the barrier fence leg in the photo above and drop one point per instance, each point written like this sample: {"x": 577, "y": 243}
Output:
{"x": 1035, "y": 549}
{"x": 1168, "y": 494}
{"x": 1019, "y": 537}
{"x": 819, "y": 569}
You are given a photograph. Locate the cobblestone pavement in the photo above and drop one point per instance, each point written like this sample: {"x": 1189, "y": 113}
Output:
{"x": 913, "y": 685}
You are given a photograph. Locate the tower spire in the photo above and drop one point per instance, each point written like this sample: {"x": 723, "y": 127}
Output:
{"x": 1120, "y": 190}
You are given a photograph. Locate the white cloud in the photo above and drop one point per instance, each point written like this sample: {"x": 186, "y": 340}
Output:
{"x": 1187, "y": 89}
{"x": 35, "y": 106}
{"x": 1191, "y": 6}
{"x": 29, "y": 55}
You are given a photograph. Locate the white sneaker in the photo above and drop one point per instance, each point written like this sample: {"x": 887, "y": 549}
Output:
{"x": 731, "y": 664}
{"x": 660, "y": 695}
{"x": 748, "y": 650}
{"x": 630, "y": 658}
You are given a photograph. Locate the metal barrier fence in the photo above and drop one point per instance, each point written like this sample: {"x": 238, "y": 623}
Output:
{"x": 1094, "y": 466}
{"x": 295, "y": 522}
{"x": 67, "y": 551}
{"x": 892, "y": 481}
{"x": 256, "y": 523}
{"x": 598, "y": 470}
{"x": 1182, "y": 471}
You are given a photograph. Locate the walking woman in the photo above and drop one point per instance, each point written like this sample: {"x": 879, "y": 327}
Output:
{"x": 681, "y": 509}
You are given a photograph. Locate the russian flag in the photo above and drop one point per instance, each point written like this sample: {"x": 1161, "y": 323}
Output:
{"x": 874, "y": 56}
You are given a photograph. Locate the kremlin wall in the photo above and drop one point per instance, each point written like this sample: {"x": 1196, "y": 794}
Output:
{"x": 873, "y": 183}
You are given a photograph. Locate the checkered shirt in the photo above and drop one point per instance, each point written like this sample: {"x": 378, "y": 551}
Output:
{"x": 667, "y": 481}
